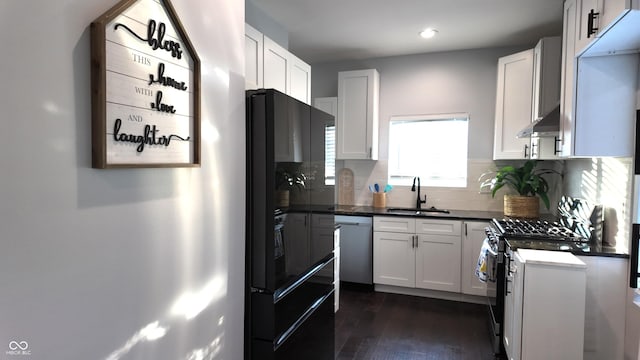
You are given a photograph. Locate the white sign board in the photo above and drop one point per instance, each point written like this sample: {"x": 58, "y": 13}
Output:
{"x": 146, "y": 110}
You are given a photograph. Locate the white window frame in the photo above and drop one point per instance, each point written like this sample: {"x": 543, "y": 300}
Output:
{"x": 406, "y": 179}
{"x": 330, "y": 155}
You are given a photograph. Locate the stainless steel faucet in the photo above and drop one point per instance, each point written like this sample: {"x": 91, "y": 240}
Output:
{"x": 419, "y": 201}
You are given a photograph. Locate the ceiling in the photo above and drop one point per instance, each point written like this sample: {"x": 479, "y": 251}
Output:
{"x": 334, "y": 30}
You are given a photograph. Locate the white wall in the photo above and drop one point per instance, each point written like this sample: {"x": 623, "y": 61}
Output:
{"x": 461, "y": 81}
{"x": 262, "y": 22}
{"x": 91, "y": 260}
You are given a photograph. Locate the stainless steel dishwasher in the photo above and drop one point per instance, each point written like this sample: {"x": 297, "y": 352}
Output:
{"x": 356, "y": 248}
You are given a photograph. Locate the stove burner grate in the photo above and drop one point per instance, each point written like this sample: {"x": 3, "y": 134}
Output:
{"x": 536, "y": 230}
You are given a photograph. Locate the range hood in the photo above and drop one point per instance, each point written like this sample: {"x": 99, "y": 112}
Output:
{"x": 548, "y": 125}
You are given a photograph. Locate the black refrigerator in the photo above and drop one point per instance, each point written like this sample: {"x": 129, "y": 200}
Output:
{"x": 289, "y": 301}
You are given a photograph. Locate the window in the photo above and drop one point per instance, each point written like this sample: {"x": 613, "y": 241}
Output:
{"x": 330, "y": 155}
{"x": 433, "y": 147}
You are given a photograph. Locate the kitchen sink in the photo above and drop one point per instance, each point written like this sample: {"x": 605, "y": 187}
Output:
{"x": 416, "y": 211}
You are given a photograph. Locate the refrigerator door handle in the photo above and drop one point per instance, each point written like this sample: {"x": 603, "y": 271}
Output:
{"x": 634, "y": 274}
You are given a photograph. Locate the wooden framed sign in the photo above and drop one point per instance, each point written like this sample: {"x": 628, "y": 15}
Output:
{"x": 145, "y": 82}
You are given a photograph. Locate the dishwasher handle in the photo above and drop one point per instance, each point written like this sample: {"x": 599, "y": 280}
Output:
{"x": 349, "y": 223}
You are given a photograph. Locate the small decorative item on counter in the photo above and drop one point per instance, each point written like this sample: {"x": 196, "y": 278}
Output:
{"x": 379, "y": 199}
{"x": 527, "y": 181}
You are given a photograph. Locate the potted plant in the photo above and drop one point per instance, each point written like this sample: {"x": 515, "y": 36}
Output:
{"x": 527, "y": 181}
{"x": 286, "y": 181}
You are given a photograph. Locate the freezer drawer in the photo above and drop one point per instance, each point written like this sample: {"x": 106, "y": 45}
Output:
{"x": 356, "y": 248}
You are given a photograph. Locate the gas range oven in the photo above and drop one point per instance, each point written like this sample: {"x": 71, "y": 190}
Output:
{"x": 507, "y": 235}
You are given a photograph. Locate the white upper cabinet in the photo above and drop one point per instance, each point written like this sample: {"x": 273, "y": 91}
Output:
{"x": 585, "y": 29}
{"x": 567, "y": 77}
{"x": 276, "y": 66}
{"x": 300, "y": 79}
{"x": 253, "y": 50}
{"x": 357, "y": 120}
{"x": 513, "y": 105}
{"x": 528, "y": 88}
{"x": 598, "y": 97}
{"x": 546, "y": 75}
{"x": 546, "y": 93}
{"x": 606, "y": 27}
{"x": 269, "y": 65}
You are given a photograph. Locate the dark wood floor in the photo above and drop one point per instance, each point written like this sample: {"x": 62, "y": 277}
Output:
{"x": 382, "y": 326}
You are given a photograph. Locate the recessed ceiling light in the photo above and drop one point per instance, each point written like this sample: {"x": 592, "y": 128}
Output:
{"x": 428, "y": 33}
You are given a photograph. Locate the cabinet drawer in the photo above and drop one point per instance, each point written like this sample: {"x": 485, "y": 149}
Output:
{"x": 323, "y": 221}
{"x": 394, "y": 224}
{"x": 439, "y": 227}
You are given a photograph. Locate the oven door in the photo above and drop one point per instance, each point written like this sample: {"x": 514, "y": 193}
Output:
{"x": 495, "y": 278}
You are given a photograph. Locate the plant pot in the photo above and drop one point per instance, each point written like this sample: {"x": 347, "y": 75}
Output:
{"x": 518, "y": 206}
{"x": 282, "y": 198}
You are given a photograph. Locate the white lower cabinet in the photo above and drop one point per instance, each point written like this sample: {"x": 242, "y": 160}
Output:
{"x": 417, "y": 253}
{"x": 394, "y": 259}
{"x": 472, "y": 240}
{"x": 544, "y": 306}
{"x": 605, "y": 315}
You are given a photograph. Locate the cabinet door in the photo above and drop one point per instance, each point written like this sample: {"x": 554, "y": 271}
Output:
{"x": 545, "y": 148}
{"x": 546, "y": 64}
{"x": 253, "y": 51}
{"x": 610, "y": 12}
{"x": 472, "y": 240}
{"x": 438, "y": 262}
{"x": 583, "y": 35}
{"x": 357, "y": 120}
{"x": 300, "y": 77}
{"x": 567, "y": 77}
{"x": 513, "y": 105}
{"x": 394, "y": 259}
{"x": 276, "y": 66}
{"x": 394, "y": 224}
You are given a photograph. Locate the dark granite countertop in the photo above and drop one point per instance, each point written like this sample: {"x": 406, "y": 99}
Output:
{"x": 452, "y": 215}
{"x": 588, "y": 249}
{"x": 581, "y": 249}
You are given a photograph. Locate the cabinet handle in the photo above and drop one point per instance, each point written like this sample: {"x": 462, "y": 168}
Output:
{"x": 592, "y": 30}
{"x": 465, "y": 229}
{"x": 417, "y": 242}
{"x": 534, "y": 154}
{"x": 506, "y": 287}
{"x": 526, "y": 149}
{"x": 556, "y": 145}
{"x": 370, "y": 152}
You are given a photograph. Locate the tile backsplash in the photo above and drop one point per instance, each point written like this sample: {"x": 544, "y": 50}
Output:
{"x": 467, "y": 198}
{"x": 605, "y": 181}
